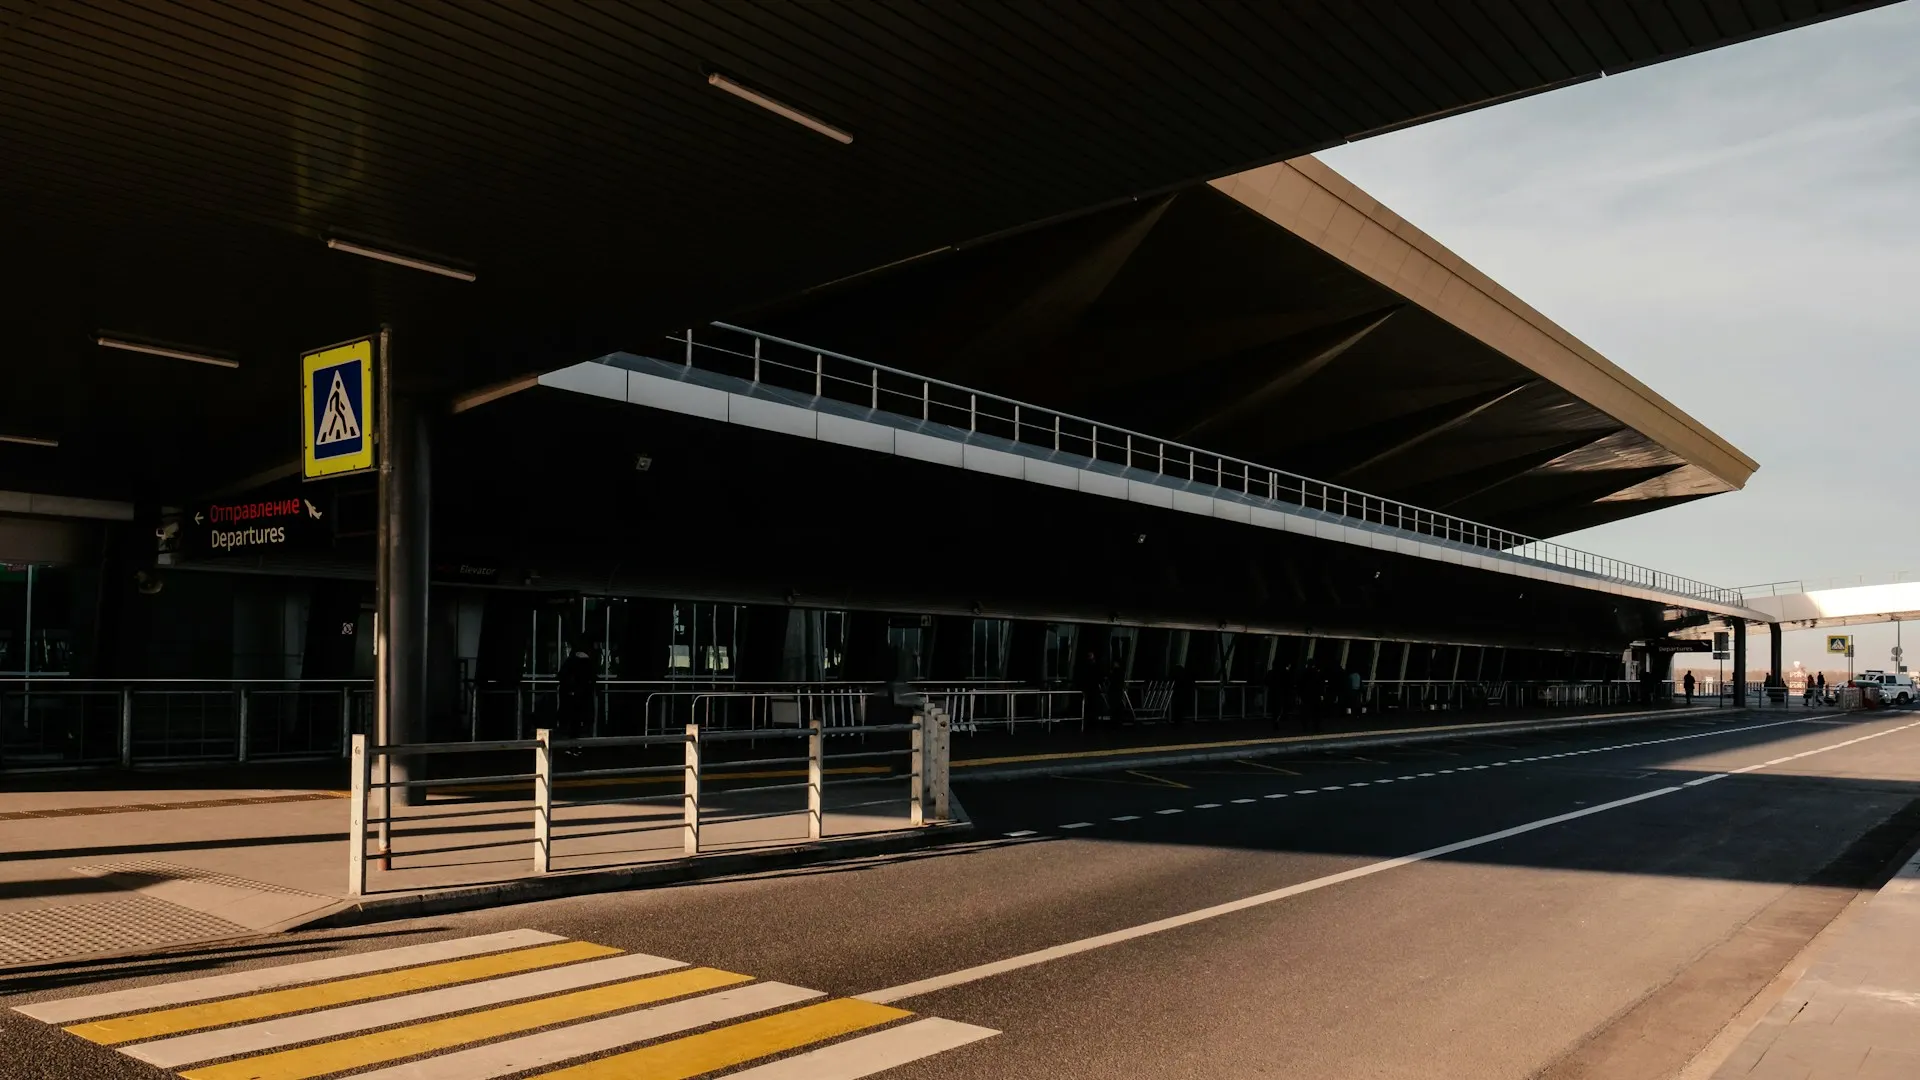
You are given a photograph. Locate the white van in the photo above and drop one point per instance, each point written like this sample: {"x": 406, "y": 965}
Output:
{"x": 1896, "y": 687}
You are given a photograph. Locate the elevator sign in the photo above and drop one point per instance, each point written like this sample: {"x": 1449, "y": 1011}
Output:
{"x": 336, "y": 415}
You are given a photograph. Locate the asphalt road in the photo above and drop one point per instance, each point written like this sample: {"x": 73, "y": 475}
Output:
{"x": 1558, "y": 906}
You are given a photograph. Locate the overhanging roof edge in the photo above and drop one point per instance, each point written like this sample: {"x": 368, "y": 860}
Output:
{"x": 1311, "y": 200}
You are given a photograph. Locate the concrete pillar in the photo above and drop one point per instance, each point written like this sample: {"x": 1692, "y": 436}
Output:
{"x": 1779, "y": 676}
{"x": 405, "y": 495}
{"x": 1739, "y": 675}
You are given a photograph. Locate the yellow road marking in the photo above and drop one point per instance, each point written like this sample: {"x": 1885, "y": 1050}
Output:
{"x": 150, "y": 1025}
{"x": 729, "y": 1046}
{"x": 1269, "y": 768}
{"x": 379, "y": 1046}
{"x": 1143, "y": 780}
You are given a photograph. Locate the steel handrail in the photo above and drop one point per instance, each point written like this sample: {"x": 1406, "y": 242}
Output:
{"x": 1448, "y": 527}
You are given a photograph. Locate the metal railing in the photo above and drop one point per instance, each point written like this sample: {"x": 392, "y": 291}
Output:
{"x": 795, "y": 367}
{"x": 928, "y": 757}
{"x": 77, "y": 722}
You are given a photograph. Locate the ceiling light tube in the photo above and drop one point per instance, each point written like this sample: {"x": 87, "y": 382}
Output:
{"x": 29, "y": 440}
{"x": 162, "y": 350}
{"x": 407, "y": 261}
{"x": 772, "y": 106}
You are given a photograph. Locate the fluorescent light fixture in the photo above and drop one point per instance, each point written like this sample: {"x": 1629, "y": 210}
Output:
{"x": 29, "y": 440}
{"x": 407, "y": 261}
{"x": 748, "y": 94}
{"x": 162, "y": 350}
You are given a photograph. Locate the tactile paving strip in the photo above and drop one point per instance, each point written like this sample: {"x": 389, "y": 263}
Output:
{"x": 106, "y": 926}
{"x": 163, "y": 871}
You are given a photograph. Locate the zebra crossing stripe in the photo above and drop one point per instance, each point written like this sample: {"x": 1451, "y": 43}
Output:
{"x": 870, "y": 1054}
{"x": 598, "y": 1036}
{"x": 379, "y": 1047}
{"x": 346, "y": 1020}
{"x": 301, "y": 998}
{"x": 735, "y": 1044}
{"x": 93, "y": 1006}
{"x": 498, "y": 1006}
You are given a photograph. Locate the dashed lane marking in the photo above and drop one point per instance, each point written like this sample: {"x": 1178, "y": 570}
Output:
{"x": 1206, "y": 806}
{"x": 1078, "y": 825}
{"x": 605, "y": 1014}
{"x": 1471, "y": 768}
{"x": 1099, "y": 941}
{"x": 1021, "y": 832}
{"x": 1169, "y": 810}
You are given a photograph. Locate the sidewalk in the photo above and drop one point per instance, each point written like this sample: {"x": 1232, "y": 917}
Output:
{"x": 1855, "y": 1013}
{"x": 98, "y": 863}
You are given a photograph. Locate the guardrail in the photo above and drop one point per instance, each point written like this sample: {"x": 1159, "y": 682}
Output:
{"x": 68, "y": 721}
{"x": 764, "y": 359}
{"x": 928, "y": 757}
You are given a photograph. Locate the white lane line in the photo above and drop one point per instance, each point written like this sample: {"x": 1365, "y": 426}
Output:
{"x": 1409, "y": 777}
{"x": 1334, "y": 787}
{"x": 247, "y": 982}
{"x": 1079, "y": 825}
{"x": 1306, "y": 791}
{"x": 870, "y": 1054}
{"x": 1426, "y": 774}
{"x": 597, "y": 1036}
{"x": 1239, "y": 801}
{"x": 1126, "y": 817}
{"x": 1384, "y": 781}
{"x": 1206, "y": 806}
{"x": 1019, "y": 832}
{"x": 1823, "y": 749}
{"x": 1358, "y": 783}
{"x": 1275, "y": 795}
{"x": 1098, "y": 941}
{"x": 1444, "y": 772}
{"x": 287, "y": 1030}
{"x": 1696, "y": 782}
{"x": 1174, "y": 810}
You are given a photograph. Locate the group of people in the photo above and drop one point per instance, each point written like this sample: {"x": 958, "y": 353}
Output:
{"x": 1313, "y": 691}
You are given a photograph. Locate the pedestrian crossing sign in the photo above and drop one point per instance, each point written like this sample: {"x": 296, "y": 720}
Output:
{"x": 1840, "y": 643}
{"x": 336, "y": 398}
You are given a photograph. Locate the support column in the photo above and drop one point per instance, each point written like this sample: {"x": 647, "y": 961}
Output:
{"x": 1779, "y": 676}
{"x": 406, "y": 471}
{"x": 1739, "y": 635}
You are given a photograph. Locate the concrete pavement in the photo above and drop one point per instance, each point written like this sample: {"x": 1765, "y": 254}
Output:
{"x": 1503, "y": 908}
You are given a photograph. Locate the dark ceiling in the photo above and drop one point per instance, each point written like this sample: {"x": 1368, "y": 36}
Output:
{"x": 170, "y": 170}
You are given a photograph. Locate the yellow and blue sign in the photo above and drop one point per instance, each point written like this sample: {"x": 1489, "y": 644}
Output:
{"x": 1840, "y": 643}
{"x": 336, "y": 410}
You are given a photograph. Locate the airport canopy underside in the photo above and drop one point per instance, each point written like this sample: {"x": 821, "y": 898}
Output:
{"x": 1285, "y": 317}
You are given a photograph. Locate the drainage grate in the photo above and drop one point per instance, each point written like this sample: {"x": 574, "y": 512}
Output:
{"x": 107, "y": 926}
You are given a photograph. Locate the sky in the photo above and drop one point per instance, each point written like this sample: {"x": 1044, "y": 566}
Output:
{"x": 1741, "y": 231}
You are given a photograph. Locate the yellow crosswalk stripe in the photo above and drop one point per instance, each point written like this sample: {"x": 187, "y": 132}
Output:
{"x": 373, "y": 1048}
{"x": 737, "y": 1043}
{"x": 151, "y": 1025}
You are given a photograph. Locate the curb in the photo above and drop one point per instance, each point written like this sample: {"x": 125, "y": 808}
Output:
{"x": 1106, "y": 761}
{"x": 676, "y": 872}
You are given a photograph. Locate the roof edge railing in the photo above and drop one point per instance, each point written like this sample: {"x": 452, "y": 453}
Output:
{"x": 796, "y": 367}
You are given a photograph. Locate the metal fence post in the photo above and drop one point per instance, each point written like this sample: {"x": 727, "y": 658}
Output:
{"x": 690, "y": 804}
{"x": 816, "y": 780}
{"x": 357, "y": 819}
{"x": 916, "y": 795}
{"x": 126, "y": 726}
{"x": 241, "y": 736}
{"x": 542, "y": 801}
{"x": 346, "y": 720}
{"x": 942, "y": 760}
